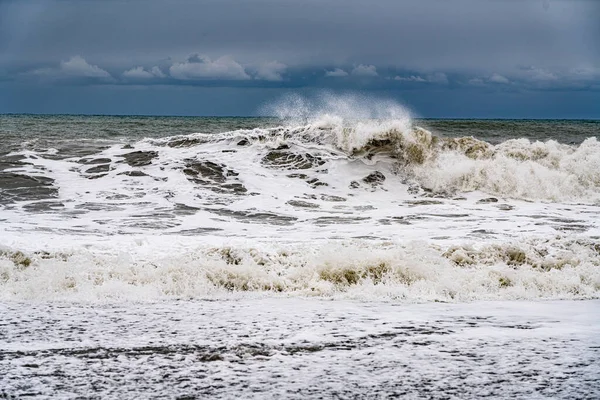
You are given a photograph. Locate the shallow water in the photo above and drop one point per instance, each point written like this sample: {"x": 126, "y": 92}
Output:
{"x": 354, "y": 254}
{"x": 298, "y": 348}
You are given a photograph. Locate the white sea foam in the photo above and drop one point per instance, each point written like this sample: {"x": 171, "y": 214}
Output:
{"x": 519, "y": 169}
{"x": 412, "y": 272}
{"x": 282, "y": 348}
{"x": 346, "y": 199}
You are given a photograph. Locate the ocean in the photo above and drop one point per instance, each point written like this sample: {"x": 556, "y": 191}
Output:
{"x": 331, "y": 254}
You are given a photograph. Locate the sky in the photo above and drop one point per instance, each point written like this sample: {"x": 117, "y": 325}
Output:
{"x": 438, "y": 58}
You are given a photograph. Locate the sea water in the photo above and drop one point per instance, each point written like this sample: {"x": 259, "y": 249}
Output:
{"x": 345, "y": 249}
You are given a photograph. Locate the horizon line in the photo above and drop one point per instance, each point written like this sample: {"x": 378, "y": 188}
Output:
{"x": 275, "y": 117}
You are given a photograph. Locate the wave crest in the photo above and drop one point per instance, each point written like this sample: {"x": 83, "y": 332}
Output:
{"x": 516, "y": 168}
{"x": 414, "y": 272}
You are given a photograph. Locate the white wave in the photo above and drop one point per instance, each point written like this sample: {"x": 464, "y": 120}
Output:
{"x": 361, "y": 127}
{"x": 412, "y": 272}
{"x": 519, "y": 169}
{"x": 348, "y": 122}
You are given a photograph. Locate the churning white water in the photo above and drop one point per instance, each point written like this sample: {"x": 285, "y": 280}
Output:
{"x": 284, "y": 259}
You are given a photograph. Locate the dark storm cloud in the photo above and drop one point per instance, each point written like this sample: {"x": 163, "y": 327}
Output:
{"x": 425, "y": 34}
{"x": 464, "y": 46}
{"x": 225, "y": 71}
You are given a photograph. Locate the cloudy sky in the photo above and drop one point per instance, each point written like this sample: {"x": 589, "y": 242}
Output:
{"x": 440, "y": 58}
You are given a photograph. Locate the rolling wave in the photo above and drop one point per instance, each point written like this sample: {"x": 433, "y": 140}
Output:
{"x": 515, "y": 168}
{"x": 413, "y": 272}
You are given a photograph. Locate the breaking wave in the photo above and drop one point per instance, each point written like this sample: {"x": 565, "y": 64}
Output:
{"x": 415, "y": 272}
{"x": 515, "y": 168}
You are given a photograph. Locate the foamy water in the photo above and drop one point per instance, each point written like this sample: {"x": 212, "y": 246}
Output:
{"x": 341, "y": 250}
{"x": 300, "y": 348}
{"x": 346, "y": 202}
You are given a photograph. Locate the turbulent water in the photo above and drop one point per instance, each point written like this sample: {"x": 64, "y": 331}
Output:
{"x": 339, "y": 203}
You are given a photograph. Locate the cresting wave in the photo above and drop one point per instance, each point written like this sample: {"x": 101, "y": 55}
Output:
{"x": 442, "y": 166}
{"x": 556, "y": 268}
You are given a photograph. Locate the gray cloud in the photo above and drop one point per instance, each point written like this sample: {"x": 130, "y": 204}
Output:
{"x": 202, "y": 67}
{"x": 428, "y": 34}
{"x": 497, "y": 78}
{"x": 197, "y": 70}
{"x": 364, "y": 70}
{"x": 411, "y": 78}
{"x": 436, "y": 77}
{"x": 537, "y": 74}
{"x": 271, "y": 71}
{"x": 73, "y": 68}
{"x": 336, "y": 73}
{"x": 141, "y": 73}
